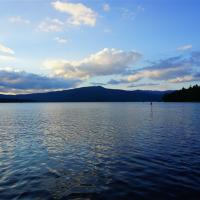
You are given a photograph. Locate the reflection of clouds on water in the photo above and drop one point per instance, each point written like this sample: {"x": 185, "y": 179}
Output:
{"x": 76, "y": 150}
{"x": 84, "y": 147}
{"x": 85, "y": 142}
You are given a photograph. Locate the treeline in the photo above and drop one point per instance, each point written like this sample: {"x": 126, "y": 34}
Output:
{"x": 192, "y": 94}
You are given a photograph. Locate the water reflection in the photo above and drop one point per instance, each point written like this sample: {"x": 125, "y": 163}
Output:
{"x": 99, "y": 151}
{"x": 151, "y": 115}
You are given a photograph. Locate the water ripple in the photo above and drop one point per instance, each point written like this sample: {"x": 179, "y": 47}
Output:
{"x": 100, "y": 151}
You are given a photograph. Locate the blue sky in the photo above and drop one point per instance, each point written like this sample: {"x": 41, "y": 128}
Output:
{"x": 127, "y": 44}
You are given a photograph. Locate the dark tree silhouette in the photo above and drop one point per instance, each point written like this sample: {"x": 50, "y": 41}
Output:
{"x": 87, "y": 94}
{"x": 192, "y": 94}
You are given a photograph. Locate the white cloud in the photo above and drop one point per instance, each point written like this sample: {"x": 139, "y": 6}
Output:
{"x": 79, "y": 14}
{"x": 104, "y": 62}
{"x": 154, "y": 74}
{"x": 61, "y": 40}
{"x": 51, "y": 25}
{"x": 106, "y": 7}
{"x": 5, "y": 49}
{"x": 7, "y": 58}
{"x": 171, "y": 70}
{"x": 187, "y": 78}
{"x": 19, "y": 19}
{"x": 184, "y": 48}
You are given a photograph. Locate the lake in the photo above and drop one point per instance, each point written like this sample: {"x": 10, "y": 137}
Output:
{"x": 100, "y": 151}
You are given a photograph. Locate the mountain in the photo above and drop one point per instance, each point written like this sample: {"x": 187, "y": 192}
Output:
{"x": 87, "y": 94}
{"x": 192, "y": 94}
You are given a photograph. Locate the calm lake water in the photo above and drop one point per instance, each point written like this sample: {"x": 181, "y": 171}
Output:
{"x": 100, "y": 151}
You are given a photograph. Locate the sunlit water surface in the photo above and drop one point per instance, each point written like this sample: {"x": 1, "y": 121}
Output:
{"x": 100, "y": 151}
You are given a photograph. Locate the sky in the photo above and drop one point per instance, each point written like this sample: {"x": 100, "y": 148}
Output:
{"x": 48, "y": 45}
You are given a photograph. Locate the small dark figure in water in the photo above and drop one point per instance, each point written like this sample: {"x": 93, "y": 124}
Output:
{"x": 151, "y": 103}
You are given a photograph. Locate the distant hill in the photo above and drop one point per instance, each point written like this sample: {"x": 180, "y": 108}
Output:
{"x": 87, "y": 94}
{"x": 191, "y": 94}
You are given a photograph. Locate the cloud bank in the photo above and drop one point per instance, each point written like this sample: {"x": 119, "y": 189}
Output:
{"x": 105, "y": 62}
{"x": 172, "y": 70}
{"x": 13, "y": 80}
